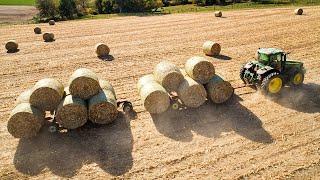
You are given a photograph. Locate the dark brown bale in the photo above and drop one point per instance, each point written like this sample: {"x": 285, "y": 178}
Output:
{"x": 219, "y": 90}
{"x": 47, "y": 94}
{"x": 37, "y": 30}
{"x": 84, "y": 84}
{"x": 52, "y": 22}
{"x": 298, "y": 11}
{"x": 12, "y": 46}
{"x": 48, "y": 37}
{"x": 25, "y": 121}
{"x": 102, "y": 50}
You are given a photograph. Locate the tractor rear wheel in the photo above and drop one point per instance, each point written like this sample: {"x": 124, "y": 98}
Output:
{"x": 296, "y": 78}
{"x": 272, "y": 84}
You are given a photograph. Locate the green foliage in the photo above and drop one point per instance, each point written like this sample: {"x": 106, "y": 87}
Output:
{"x": 18, "y": 2}
{"x": 47, "y": 8}
{"x": 67, "y": 8}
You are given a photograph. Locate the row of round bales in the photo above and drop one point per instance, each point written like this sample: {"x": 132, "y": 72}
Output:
{"x": 194, "y": 84}
{"x": 298, "y": 11}
{"x": 87, "y": 97}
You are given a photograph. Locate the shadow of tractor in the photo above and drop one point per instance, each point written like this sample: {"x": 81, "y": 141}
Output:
{"x": 210, "y": 120}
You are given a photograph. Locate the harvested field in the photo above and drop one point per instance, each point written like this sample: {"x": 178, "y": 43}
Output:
{"x": 250, "y": 136}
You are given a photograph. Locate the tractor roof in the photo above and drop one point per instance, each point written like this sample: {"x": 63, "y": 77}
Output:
{"x": 269, "y": 51}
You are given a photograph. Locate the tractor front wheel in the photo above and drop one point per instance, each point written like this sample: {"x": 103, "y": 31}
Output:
{"x": 272, "y": 84}
{"x": 297, "y": 78}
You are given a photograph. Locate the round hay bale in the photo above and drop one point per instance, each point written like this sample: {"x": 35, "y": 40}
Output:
{"x": 298, "y": 11}
{"x": 219, "y": 91}
{"x": 24, "y": 97}
{"x": 12, "y": 46}
{"x": 103, "y": 107}
{"x": 168, "y": 75}
{"x": 37, "y": 30}
{"x": 199, "y": 69}
{"x": 145, "y": 80}
{"x": 102, "y": 50}
{"x": 52, "y": 22}
{"x": 154, "y": 98}
{"x": 191, "y": 93}
{"x": 47, "y": 94}
{"x": 48, "y": 37}
{"x": 211, "y": 48}
{"x": 25, "y": 121}
{"x": 72, "y": 112}
{"x": 104, "y": 84}
{"x": 218, "y": 14}
{"x": 84, "y": 84}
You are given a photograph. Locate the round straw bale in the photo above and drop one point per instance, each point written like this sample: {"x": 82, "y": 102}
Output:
{"x": 72, "y": 112}
{"x": 102, "y": 50}
{"x": 218, "y": 14}
{"x": 24, "y": 97}
{"x": 219, "y": 91}
{"x": 154, "y": 98}
{"x": 168, "y": 75}
{"x": 47, "y": 94}
{"x": 12, "y": 46}
{"x": 298, "y": 11}
{"x": 103, "y": 107}
{"x": 37, "y": 30}
{"x": 52, "y": 22}
{"x": 145, "y": 80}
{"x": 25, "y": 121}
{"x": 191, "y": 93}
{"x": 104, "y": 84}
{"x": 48, "y": 37}
{"x": 199, "y": 69}
{"x": 84, "y": 84}
{"x": 211, "y": 48}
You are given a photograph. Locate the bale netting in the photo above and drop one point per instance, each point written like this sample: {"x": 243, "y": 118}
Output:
{"x": 218, "y": 14}
{"x": 72, "y": 112}
{"x": 168, "y": 75}
{"x": 199, "y": 69}
{"x": 24, "y": 97}
{"x": 146, "y": 79}
{"x": 298, "y": 11}
{"x": 47, "y": 94}
{"x": 154, "y": 98}
{"x": 12, "y": 46}
{"x": 103, "y": 107}
{"x": 102, "y": 50}
{"x": 219, "y": 90}
{"x": 25, "y": 121}
{"x": 37, "y": 30}
{"x": 211, "y": 48}
{"x": 191, "y": 93}
{"x": 48, "y": 37}
{"x": 52, "y": 22}
{"x": 84, "y": 84}
{"x": 104, "y": 84}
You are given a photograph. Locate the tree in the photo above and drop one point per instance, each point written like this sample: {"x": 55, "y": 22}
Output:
{"x": 67, "y": 8}
{"x": 47, "y": 8}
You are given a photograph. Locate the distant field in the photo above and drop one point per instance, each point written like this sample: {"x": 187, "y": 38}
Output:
{"x": 17, "y": 2}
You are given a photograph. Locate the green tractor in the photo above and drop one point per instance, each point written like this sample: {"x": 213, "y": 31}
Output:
{"x": 271, "y": 71}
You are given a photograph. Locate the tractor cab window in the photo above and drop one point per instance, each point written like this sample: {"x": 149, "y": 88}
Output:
{"x": 263, "y": 57}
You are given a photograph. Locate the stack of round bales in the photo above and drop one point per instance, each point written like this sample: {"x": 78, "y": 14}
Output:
{"x": 28, "y": 116}
{"x": 153, "y": 96}
{"x": 101, "y": 97}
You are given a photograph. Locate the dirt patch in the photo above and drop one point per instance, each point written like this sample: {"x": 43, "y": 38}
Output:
{"x": 16, "y": 14}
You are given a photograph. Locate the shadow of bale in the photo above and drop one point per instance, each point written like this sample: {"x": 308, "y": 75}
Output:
{"x": 13, "y": 51}
{"x": 222, "y": 57}
{"x": 210, "y": 120}
{"x": 303, "y": 99}
{"x": 106, "y": 58}
{"x": 64, "y": 153}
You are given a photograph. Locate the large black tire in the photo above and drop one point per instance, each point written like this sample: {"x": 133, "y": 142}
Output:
{"x": 265, "y": 85}
{"x": 296, "y": 81}
{"x": 242, "y": 70}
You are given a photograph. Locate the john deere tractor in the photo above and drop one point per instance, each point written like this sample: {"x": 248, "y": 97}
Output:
{"x": 271, "y": 71}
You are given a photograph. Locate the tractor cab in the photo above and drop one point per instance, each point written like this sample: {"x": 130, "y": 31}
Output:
{"x": 272, "y": 57}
